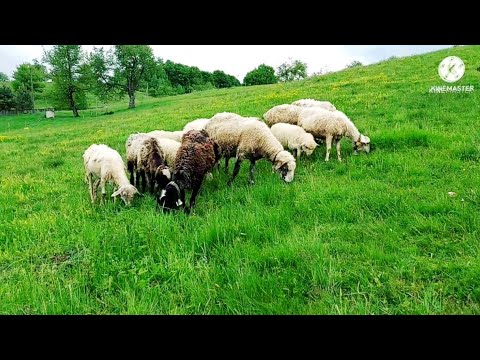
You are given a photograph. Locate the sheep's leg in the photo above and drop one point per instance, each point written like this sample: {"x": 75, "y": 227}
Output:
{"x": 143, "y": 179}
{"x": 236, "y": 169}
{"x": 138, "y": 178}
{"x": 195, "y": 190}
{"x": 250, "y": 174}
{"x": 151, "y": 182}
{"x": 226, "y": 164}
{"x": 328, "y": 142}
{"x": 90, "y": 186}
{"x": 104, "y": 192}
{"x": 339, "y": 156}
{"x": 94, "y": 190}
{"x": 130, "y": 168}
{"x": 298, "y": 153}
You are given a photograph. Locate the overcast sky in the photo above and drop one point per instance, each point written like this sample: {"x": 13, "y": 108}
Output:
{"x": 237, "y": 60}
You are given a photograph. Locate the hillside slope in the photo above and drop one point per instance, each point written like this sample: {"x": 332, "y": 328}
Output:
{"x": 375, "y": 234}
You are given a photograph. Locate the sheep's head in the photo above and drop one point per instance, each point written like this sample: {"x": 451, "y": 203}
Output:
{"x": 169, "y": 198}
{"x": 284, "y": 163}
{"x": 163, "y": 176}
{"x": 361, "y": 144}
{"x": 309, "y": 145}
{"x": 126, "y": 192}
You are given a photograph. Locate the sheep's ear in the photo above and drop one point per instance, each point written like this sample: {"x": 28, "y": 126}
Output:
{"x": 162, "y": 194}
{"x": 179, "y": 202}
{"x": 116, "y": 193}
{"x": 364, "y": 139}
{"x": 136, "y": 191}
{"x": 278, "y": 165}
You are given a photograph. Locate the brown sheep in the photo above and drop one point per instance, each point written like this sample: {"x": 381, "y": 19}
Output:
{"x": 195, "y": 158}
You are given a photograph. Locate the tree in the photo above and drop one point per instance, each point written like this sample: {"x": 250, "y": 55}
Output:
{"x": 23, "y": 100}
{"x": 7, "y": 99}
{"x": 122, "y": 69}
{"x": 293, "y": 70}
{"x": 222, "y": 80}
{"x": 263, "y": 74}
{"x": 354, "y": 63}
{"x": 158, "y": 83}
{"x": 29, "y": 76}
{"x": 68, "y": 72}
{"x": 3, "y": 77}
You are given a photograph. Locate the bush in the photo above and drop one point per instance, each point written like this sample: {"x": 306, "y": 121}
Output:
{"x": 354, "y": 63}
{"x": 262, "y": 75}
{"x": 7, "y": 99}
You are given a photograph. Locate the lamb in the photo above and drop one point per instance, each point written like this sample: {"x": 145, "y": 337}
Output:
{"x": 249, "y": 138}
{"x": 146, "y": 158}
{"x": 173, "y": 135}
{"x": 107, "y": 164}
{"x": 294, "y": 138}
{"x": 195, "y": 158}
{"x": 313, "y": 103}
{"x": 198, "y": 124}
{"x": 333, "y": 125}
{"x": 285, "y": 113}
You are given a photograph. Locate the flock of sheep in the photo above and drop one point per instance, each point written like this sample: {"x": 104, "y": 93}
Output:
{"x": 170, "y": 163}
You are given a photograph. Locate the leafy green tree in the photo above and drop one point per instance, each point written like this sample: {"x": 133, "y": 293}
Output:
{"x": 3, "y": 77}
{"x": 68, "y": 72}
{"x": 158, "y": 82}
{"x": 223, "y": 80}
{"x": 293, "y": 70}
{"x": 261, "y": 75}
{"x": 122, "y": 70}
{"x": 27, "y": 76}
{"x": 23, "y": 100}
{"x": 7, "y": 99}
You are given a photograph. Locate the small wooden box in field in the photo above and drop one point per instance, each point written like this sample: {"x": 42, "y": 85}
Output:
{"x": 50, "y": 114}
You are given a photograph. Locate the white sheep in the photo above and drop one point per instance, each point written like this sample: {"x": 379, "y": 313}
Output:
{"x": 132, "y": 149}
{"x": 332, "y": 126}
{"x": 174, "y": 135}
{"x": 198, "y": 124}
{"x": 285, "y": 113}
{"x": 294, "y": 138}
{"x": 107, "y": 164}
{"x": 170, "y": 148}
{"x": 327, "y": 105}
{"x": 249, "y": 138}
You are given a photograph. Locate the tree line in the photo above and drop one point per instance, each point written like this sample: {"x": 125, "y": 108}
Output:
{"x": 122, "y": 70}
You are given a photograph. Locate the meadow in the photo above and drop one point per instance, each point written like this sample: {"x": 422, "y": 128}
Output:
{"x": 375, "y": 234}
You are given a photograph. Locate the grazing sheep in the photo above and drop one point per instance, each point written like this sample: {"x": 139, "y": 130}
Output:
{"x": 198, "y": 124}
{"x": 146, "y": 158}
{"x": 107, "y": 164}
{"x": 174, "y": 135}
{"x": 151, "y": 164}
{"x": 327, "y": 105}
{"x": 195, "y": 158}
{"x": 333, "y": 126}
{"x": 285, "y": 113}
{"x": 294, "y": 138}
{"x": 132, "y": 149}
{"x": 249, "y": 138}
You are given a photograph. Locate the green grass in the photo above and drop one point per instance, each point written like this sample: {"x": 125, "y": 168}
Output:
{"x": 376, "y": 234}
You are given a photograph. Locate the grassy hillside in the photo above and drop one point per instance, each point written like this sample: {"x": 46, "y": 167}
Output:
{"x": 376, "y": 234}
